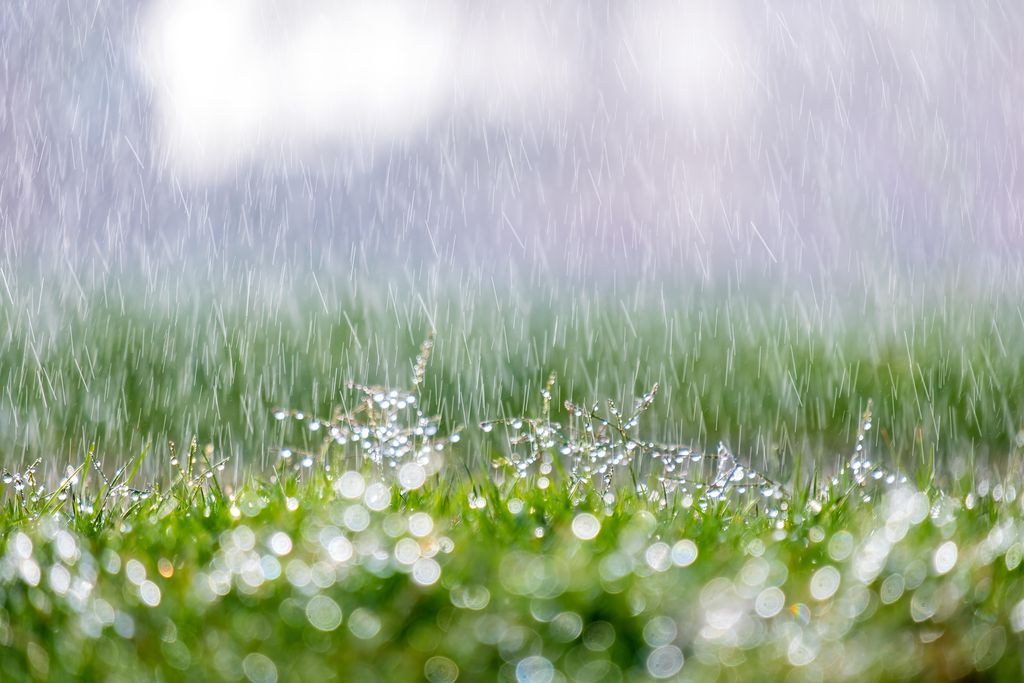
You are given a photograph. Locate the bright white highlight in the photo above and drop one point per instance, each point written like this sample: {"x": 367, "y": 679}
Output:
{"x": 692, "y": 56}
{"x": 239, "y": 81}
{"x": 235, "y": 80}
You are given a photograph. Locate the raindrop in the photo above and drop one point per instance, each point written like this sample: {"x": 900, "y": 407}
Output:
{"x": 825, "y": 583}
{"x": 411, "y": 476}
{"x": 259, "y": 668}
{"x": 684, "y": 553}
{"x": 665, "y": 661}
{"x": 769, "y": 602}
{"x": 585, "y": 526}
{"x": 440, "y": 670}
{"x": 945, "y": 557}
{"x": 377, "y": 496}
{"x": 535, "y": 669}
{"x": 323, "y": 613}
{"x": 426, "y": 571}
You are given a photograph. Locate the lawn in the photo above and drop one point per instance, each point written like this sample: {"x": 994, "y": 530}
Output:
{"x": 381, "y": 543}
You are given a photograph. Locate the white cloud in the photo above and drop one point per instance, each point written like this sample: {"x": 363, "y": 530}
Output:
{"x": 238, "y": 81}
{"x": 692, "y": 56}
{"x": 232, "y": 83}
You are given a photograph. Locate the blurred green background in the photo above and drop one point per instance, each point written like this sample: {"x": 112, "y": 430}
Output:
{"x": 121, "y": 365}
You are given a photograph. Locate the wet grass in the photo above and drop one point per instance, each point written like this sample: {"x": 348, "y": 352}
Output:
{"x": 315, "y": 573}
{"x": 379, "y": 548}
{"x": 777, "y": 381}
{"x": 567, "y": 545}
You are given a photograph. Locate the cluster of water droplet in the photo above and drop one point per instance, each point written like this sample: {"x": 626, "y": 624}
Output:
{"x": 860, "y": 469}
{"x": 710, "y": 476}
{"x": 386, "y": 428}
{"x": 24, "y": 483}
{"x": 357, "y": 534}
{"x": 593, "y": 447}
{"x": 36, "y": 498}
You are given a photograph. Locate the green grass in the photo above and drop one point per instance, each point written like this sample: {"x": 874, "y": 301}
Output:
{"x": 228, "y": 561}
{"x": 777, "y": 381}
{"x": 515, "y": 582}
{"x": 328, "y": 568}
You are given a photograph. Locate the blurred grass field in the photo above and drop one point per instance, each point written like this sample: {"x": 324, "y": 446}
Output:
{"x": 124, "y": 559}
{"x": 780, "y": 380}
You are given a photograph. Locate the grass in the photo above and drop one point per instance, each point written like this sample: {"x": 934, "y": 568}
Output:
{"x": 364, "y": 535}
{"x": 777, "y": 381}
{"x": 377, "y": 549}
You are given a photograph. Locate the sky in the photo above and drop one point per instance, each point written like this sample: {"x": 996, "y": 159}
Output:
{"x": 578, "y": 141}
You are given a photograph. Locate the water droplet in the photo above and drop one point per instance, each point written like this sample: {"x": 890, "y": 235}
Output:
{"x": 411, "y": 476}
{"x": 323, "y": 613}
{"x": 440, "y": 670}
{"x": 684, "y": 553}
{"x": 377, "y": 496}
{"x": 665, "y": 661}
{"x": 585, "y": 526}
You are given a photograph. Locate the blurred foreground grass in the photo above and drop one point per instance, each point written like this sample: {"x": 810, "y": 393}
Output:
{"x": 310, "y": 576}
{"x": 391, "y": 554}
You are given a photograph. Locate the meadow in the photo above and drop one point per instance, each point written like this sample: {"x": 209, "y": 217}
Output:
{"x": 696, "y": 487}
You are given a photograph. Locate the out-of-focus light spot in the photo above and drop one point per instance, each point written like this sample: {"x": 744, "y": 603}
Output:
{"x": 658, "y": 556}
{"x": 660, "y": 631}
{"x": 665, "y": 661}
{"x": 439, "y": 669}
{"x": 825, "y": 583}
{"x": 566, "y": 626}
{"x": 350, "y": 485}
{"x": 323, "y": 613}
{"x": 684, "y": 552}
{"x": 363, "y": 623}
{"x": 1017, "y": 617}
{"x": 280, "y": 543}
{"x": 377, "y": 496}
{"x": 585, "y": 526}
{"x": 801, "y": 613}
{"x": 769, "y": 602}
{"x": 407, "y": 551}
{"x": 840, "y": 546}
{"x": 411, "y": 476}
{"x": 535, "y": 669}
{"x": 259, "y": 668}
{"x": 891, "y": 589}
{"x": 426, "y": 571}
{"x": 945, "y": 557}
{"x": 135, "y": 571}
{"x": 420, "y": 524}
{"x": 149, "y": 592}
